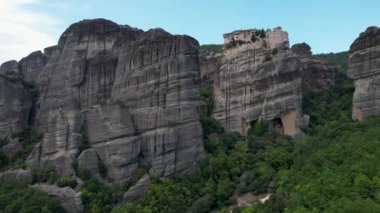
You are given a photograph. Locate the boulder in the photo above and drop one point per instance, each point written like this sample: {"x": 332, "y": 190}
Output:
{"x": 88, "y": 161}
{"x": 18, "y": 174}
{"x": 12, "y": 148}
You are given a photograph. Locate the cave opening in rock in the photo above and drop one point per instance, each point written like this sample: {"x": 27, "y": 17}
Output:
{"x": 276, "y": 125}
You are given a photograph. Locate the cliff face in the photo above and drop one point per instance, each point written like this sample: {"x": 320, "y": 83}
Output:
{"x": 364, "y": 69}
{"x": 15, "y": 100}
{"x": 316, "y": 74}
{"x": 252, "y": 85}
{"x": 131, "y": 95}
{"x": 31, "y": 66}
{"x": 209, "y": 65}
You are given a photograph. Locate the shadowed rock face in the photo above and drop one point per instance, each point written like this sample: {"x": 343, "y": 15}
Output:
{"x": 209, "y": 65}
{"x": 31, "y": 66}
{"x": 248, "y": 87}
{"x": 364, "y": 69}
{"x": 316, "y": 74}
{"x": 132, "y": 95}
{"x": 15, "y": 100}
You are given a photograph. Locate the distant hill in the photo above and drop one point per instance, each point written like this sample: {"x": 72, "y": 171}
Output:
{"x": 340, "y": 59}
{"x": 207, "y": 49}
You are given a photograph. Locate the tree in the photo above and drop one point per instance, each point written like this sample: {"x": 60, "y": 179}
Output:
{"x": 262, "y": 33}
{"x": 253, "y": 38}
{"x": 17, "y": 197}
{"x": 207, "y": 95}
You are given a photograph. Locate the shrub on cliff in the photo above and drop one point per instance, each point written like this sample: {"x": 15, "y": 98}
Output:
{"x": 274, "y": 51}
{"x": 209, "y": 49}
{"x": 340, "y": 60}
{"x": 210, "y": 125}
{"x": 65, "y": 181}
{"x": 207, "y": 95}
{"x": 262, "y": 33}
{"x": 268, "y": 57}
{"x": 29, "y": 138}
{"x": 258, "y": 128}
{"x": 17, "y": 197}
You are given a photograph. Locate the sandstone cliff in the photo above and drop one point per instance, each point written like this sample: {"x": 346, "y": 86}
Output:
{"x": 131, "y": 95}
{"x": 364, "y": 69}
{"x": 259, "y": 84}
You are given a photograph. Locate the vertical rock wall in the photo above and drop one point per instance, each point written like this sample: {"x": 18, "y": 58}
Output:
{"x": 15, "y": 100}
{"x": 253, "y": 86}
{"x": 364, "y": 69}
{"x": 132, "y": 95}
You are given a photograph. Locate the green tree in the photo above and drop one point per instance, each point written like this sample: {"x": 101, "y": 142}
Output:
{"x": 253, "y": 38}
{"x": 17, "y": 197}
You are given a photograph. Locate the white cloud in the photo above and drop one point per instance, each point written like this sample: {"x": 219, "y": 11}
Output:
{"x": 22, "y": 29}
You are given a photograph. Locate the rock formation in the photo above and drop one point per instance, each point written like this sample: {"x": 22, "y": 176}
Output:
{"x": 15, "y": 100}
{"x": 364, "y": 69}
{"x": 316, "y": 74}
{"x": 16, "y": 95}
{"x": 70, "y": 200}
{"x": 136, "y": 190}
{"x": 31, "y": 66}
{"x": 132, "y": 96}
{"x": 209, "y": 65}
{"x": 25, "y": 176}
{"x": 12, "y": 148}
{"x": 259, "y": 84}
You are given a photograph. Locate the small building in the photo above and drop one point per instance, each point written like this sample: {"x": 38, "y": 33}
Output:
{"x": 244, "y": 35}
{"x": 273, "y": 38}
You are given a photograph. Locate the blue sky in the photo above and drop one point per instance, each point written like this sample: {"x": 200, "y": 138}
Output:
{"x": 326, "y": 25}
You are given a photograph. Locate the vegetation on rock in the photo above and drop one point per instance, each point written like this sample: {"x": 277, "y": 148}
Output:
{"x": 17, "y": 197}
{"x": 29, "y": 138}
{"x": 340, "y": 60}
{"x": 209, "y": 49}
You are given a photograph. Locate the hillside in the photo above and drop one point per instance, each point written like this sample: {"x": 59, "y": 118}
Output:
{"x": 338, "y": 59}
{"x": 209, "y": 49}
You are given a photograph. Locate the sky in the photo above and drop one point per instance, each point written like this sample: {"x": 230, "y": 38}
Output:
{"x": 326, "y": 25}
